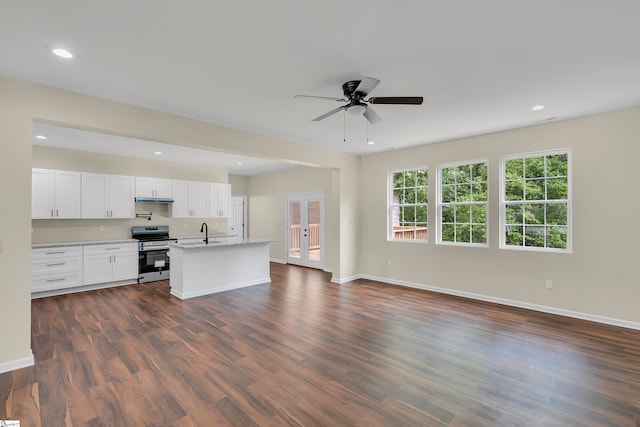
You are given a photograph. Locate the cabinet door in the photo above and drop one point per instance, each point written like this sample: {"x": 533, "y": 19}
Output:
{"x": 153, "y": 187}
{"x": 219, "y": 200}
{"x": 94, "y": 195}
{"x": 68, "y": 197}
{"x": 144, "y": 187}
{"x": 180, "y": 207}
{"x": 224, "y": 200}
{"x": 121, "y": 196}
{"x": 125, "y": 266}
{"x": 42, "y": 191}
{"x": 97, "y": 269}
{"x": 163, "y": 188}
{"x": 198, "y": 199}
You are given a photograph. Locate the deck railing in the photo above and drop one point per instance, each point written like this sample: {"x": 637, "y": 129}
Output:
{"x": 407, "y": 233}
{"x": 314, "y": 236}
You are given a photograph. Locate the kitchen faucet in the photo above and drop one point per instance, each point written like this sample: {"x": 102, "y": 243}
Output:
{"x": 205, "y": 228}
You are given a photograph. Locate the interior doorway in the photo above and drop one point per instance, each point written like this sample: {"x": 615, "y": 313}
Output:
{"x": 238, "y": 223}
{"x": 305, "y": 229}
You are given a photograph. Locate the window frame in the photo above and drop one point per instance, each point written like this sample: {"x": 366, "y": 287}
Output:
{"x": 440, "y": 205}
{"x": 569, "y": 201}
{"x": 390, "y": 205}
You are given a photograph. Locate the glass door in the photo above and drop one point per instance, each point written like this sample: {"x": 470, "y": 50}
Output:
{"x": 305, "y": 231}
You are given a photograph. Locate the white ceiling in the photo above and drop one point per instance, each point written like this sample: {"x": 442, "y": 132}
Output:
{"x": 480, "y": 65}
{"x": 77, "y": 139}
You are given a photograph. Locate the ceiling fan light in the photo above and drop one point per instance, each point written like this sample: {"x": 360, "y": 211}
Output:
{"x": 357, "y": 109}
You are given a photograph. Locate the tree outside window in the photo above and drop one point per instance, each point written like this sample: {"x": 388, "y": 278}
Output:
{"x": 463, "y": 203}
{"x": 408, "y": 203}
{"x": 536, "y": 202}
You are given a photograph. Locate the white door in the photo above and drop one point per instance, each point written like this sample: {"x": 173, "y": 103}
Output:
{"x": 305, "y": 230}
{"x": 238, "y": 220}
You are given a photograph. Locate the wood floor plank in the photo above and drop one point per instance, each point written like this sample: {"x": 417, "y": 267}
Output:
{"x": 303, "y": 351}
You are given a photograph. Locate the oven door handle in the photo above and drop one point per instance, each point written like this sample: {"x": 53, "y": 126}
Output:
{"x": 155, "y": 248}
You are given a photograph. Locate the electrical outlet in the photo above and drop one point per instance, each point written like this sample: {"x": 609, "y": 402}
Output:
{"x": 389, "y": 262}
{"x": 548, "y": 284}
{"x": 101, "y": 228}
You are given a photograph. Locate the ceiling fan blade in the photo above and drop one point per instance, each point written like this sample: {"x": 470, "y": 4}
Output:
{"x": 406, "y": 100}
{"x": 372, "y": 116}
{"x": 325, "y": 115}
{"x": 321, "y": 97}
{"x": 367, "y": 84}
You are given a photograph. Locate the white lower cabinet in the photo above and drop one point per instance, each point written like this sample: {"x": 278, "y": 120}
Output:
{"x": 110, "y": 263}
{"x": 56, "y": 268}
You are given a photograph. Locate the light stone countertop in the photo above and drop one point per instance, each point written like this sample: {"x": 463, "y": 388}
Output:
{"x": 82, "y": 243}
{"x": 225, "y": 242}
{"x": 201, "y": 236}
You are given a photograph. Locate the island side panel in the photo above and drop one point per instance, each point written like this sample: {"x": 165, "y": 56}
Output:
{"x": 209, "y": 269}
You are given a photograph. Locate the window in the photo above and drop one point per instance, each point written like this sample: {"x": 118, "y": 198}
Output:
{"x": 536, "y": 202}
{"x": 408, "y": 205}
{"x": 462, "y": 203}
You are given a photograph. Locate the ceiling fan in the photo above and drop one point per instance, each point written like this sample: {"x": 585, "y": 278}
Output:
{"x": 355, "y": 92}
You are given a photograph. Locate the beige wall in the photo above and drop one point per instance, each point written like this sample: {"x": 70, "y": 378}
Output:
{"x": 268, "y": 199}
{"x": 239, "y": 185}
{"x": 599, "y": 278}
{"x": 22, "y": 103}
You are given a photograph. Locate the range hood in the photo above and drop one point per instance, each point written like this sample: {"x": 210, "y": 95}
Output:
{"x": 153, "y": 200}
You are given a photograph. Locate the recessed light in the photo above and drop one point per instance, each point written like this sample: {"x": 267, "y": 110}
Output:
{"x": 537, "y": 108}
{"x": 62, "y": 53}
{"x": 370, "y": 142}
{"x": 239, "y": 163}
{"x": 158, "y": 153}
{"x": 41, "y": 137}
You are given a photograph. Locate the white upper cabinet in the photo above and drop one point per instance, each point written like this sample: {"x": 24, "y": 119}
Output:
{"x": 219, "y": 200}
{"x": 55, "y": 194}
{"x": 107, "y": 196}
{"x": 190, "y": 199}
{"x": 153, "y": 187}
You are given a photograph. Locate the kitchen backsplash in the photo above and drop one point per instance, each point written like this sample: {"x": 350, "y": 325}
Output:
{"x": 71, "y": 230}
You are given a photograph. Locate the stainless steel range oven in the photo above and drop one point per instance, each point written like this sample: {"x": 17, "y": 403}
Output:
{"x": 153, "y": 252}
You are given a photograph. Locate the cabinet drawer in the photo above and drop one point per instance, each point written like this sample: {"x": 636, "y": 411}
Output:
{"x": 61, "y": 252}
{"x": 52, "y": 281}
{"x": 56, "y": 265}
{"x": 111, "y": 249}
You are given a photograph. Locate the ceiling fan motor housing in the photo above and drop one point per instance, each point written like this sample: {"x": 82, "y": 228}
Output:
{"x": 349, "y": 90}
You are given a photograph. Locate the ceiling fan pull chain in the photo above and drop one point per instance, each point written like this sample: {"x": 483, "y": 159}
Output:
{"x": 344, "y": 130}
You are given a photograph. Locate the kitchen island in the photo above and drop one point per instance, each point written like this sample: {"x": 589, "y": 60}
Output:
{"x": 201, "y": 269}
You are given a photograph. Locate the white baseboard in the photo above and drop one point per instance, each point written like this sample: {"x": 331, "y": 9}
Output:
{"x": 278, "y": 261}
{"x": 341, "y": 280}
{"x": 508, "y": 302}
{"x": 65, "y": 291}
{"x": 16, "y": 364}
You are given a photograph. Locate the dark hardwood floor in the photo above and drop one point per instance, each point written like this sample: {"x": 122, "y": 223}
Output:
{"x": 305, "y": 352}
